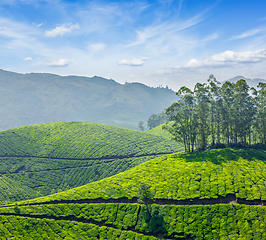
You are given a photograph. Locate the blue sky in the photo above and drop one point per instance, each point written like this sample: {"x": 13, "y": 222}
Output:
{"x": 172, "y": 43}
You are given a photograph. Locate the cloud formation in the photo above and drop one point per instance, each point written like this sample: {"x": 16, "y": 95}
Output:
{"x": 58, "y": 63}
{"x": 28, "y": 59}
{"x": 134, "y": 61}
{"x": 247, "y": 34}
{"x": 229, "y": 57}
{"x": 224, "y": 59}
{"x": 164, "y": 29}
{"x": 61, "y": 30}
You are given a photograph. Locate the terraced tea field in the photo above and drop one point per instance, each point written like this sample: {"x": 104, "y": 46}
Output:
{"x": 11, "y": 191}
{"x": 52, "y": 157}
{"x": 217, "y": 194}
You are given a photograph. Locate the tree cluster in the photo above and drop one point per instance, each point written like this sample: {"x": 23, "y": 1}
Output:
{"x": 231, "y": 114}
{"x": 157, "y": 119}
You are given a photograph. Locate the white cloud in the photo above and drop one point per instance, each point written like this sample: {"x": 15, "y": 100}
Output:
{"x": 235, "y": 57}
{"x": 164, "y": 29}
{"x": 134, "y": 61}
{"x": 61, "y": 30}
{"x": 247, "y": 34}
{"x": 96, "y": 47}
{"x": 58, "y": 63}
{"x": 224, "y": 59}
{"x": 39, "y": 25}
{"x": 28, "y": 59}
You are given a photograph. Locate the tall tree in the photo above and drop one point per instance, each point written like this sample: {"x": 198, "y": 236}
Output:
{"x": 227, "y": 92}
{"x": 243, "y": 111}
{"x": 183, "y": 113}
{"x": 201, "y": 94}
{"x": 141, "y": 126}
{"x": 260, "y": 101}
{"x": 219, "y": 115}
{"x": 215, "y": 108}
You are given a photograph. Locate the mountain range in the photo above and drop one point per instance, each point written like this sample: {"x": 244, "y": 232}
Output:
{"x": 35, "y": 98}
{"x": 251, "y": 82}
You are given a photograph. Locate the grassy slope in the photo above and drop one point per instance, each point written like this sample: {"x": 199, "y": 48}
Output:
{"x": 177, "y": 176}
{"x": 58, "y": 156}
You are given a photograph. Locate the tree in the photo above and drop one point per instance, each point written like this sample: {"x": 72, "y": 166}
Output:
{"x": 243, "y": 110}
{"x": 260, "y": 102}
{"x": 141, "y": 126}
{"x": 215, "y": 108}
{"x": 201, "y": 94}
{"x": 144, "y": 194}
{"x": 185, "y": 126}
{"x": 219, "y": 116}
{"x": 227, "y": 92}
{"x": 157, "y": 119}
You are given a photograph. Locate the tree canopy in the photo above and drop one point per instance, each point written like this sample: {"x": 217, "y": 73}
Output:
{"x": 157, "y": 119}
{"x": 231, "y": 114}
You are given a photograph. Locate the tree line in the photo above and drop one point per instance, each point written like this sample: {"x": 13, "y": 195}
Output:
{"x": 219, "y": 115}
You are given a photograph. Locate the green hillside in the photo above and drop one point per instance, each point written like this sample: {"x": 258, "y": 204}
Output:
{"x": 160, "y": 132}
{"x": 184, "y": 176}
{"x": 57, "y": 156}
{"x": 217, "y": 194}
{"x": 11, "y": 191}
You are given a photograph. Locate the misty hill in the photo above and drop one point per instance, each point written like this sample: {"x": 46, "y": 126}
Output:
{"x": 39, "y": 98}
{"x": 251, "y": 82}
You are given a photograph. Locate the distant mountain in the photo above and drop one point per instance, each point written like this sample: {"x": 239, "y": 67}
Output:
{"x": 251, "y": 82}
{"x": 40, "y": 97}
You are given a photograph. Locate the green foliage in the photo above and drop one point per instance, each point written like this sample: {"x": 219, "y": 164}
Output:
{"x": 11, "y": 191}
{"x": 144, "y": 194}
{"x": 208, "y": 174}
{"x": 160, "y": 131}
{"x": 157, "y": 119}
{"x": 203, "y": 175}
{"x": 217, "y": 221}
{"x": 15, "y": 227}
{"x": 80, "y": 140}
{"x": 47, "y": 157}
{"x": 219, "y": 116}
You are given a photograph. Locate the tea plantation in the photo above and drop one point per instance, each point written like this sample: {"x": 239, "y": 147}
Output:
{"x": 216, "y": 194}
{"x": 182, "y": 176}
{"x": 12, "y": 191}
{"x": 52, "y": 157}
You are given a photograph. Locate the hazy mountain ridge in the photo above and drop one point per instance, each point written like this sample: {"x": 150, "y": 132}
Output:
{"x": 34, "y": 98}
{"x": 40, "y": 97}
{"x": 251, "y": 82}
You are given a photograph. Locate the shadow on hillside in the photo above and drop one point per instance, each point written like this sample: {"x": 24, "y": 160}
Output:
{"x": 155, "y": 224}
{"x": 218, "y": 156}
